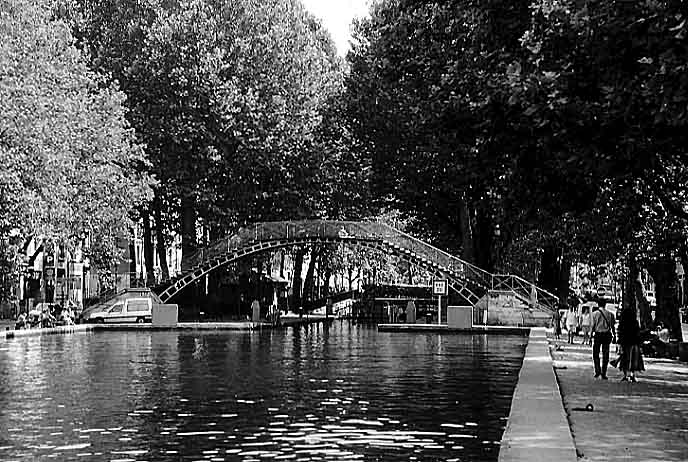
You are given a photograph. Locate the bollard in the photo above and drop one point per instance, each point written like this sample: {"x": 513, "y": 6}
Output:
{"x": 672, "y": 349}
{"x": 411, "y": 313}
{"x": 255, "y": 311}
{"x": 683, "y": 351}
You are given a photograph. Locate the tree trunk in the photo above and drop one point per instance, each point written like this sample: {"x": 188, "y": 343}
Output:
{"x": 308, "y": 282}
{"x": 555, "y": 273}
{"x": 132, "y": 259}
{"x": 188, "y": 226}
{"x": 467, "y": 246}
{"x": 318, "y": 282}
{"x": 483, "y": 240}
{"x": 326, "y": 282}
{"x": 634, "y": 293}
{"x": 683, "y": 281}
{"x": 160, "y": 240}
{"x": 629, "y": 300}
{"x": 548, "y": 269}
{"x": 663, "y": 271}
{"x": 257, "y": 288}
{"x": 564, "y": 280}
{"x": 214, "y": 278}
{"x": 296, "y": 283}
{"x": 148, "y": 249}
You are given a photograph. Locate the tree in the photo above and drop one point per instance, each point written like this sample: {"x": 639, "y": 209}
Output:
{"x": 70, "y": 160}
{"x": 613, "y": 88}
{"x": 551, "y": 129}
{"x": 235, "y": 134}
{"x": 424, "y": 93}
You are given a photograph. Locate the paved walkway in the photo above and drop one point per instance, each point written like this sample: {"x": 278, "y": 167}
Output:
{"x": 645, "y": 421}
{"x": 537, "y": 429}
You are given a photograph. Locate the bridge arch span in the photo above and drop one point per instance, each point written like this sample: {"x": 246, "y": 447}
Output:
{"x": 456, "y": 283}
{"x": 469, "y": 281}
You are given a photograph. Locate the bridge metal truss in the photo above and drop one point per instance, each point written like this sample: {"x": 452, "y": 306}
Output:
{"x": 456, "y": 280}
{"x": 469, "y": 281}
{"x": 524, "y": 290}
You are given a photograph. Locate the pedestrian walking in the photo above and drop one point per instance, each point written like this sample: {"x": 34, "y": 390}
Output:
{"x": 630, "y": 358}
{"x": 586, "y": 325}
{"x": 571, "y": 323}
{"x": 603, "y": 332}
{"x": 556, "y": 324}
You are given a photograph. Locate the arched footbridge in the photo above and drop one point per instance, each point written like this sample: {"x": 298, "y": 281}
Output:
{"x": 469, "y": 281}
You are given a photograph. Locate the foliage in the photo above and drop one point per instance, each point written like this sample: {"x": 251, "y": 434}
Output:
{"x": 425, "y": 89}
{"x": 69, "y": 157}
{"x": 237, "y": 103}
{"x": 552, "y": 118}
{"x": 560, "y": 125}
{"x": 613, "y": 90}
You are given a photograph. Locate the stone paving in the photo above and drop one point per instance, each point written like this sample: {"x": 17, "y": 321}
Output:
{"x": 537, "y": 429}
{"x": 644, "y": 421}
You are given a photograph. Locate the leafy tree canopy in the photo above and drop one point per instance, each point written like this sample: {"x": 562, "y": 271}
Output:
{"x": 559, "y": 123}
{"x": 70, "y": 161}
{"x": 236, "y": 102}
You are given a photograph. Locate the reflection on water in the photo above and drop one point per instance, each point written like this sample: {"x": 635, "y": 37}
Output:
{"x": 345, "y": 392}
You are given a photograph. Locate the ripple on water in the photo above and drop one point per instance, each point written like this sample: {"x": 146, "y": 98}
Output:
{"x": 343, "y": 393}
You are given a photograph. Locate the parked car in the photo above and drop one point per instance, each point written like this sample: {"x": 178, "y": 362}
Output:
{"x": 87, "y": 315}
{"x": 138, "y": 310}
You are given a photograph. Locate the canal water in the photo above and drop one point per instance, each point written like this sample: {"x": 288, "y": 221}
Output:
{"x": 342, "y": 392}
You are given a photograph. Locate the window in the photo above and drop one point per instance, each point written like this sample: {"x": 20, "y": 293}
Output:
{"x": 137, "y": 304}
{"x": 117, "y": 307}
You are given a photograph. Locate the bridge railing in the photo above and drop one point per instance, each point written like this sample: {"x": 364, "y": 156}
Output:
{"x": 272, "y": 231}
{"x": 371, "y": 231}
{"x": 526, "y": 290}
{"x": 457, "y": 266}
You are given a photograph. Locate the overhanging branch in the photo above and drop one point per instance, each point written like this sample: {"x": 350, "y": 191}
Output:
{"x": 665, "y": 199}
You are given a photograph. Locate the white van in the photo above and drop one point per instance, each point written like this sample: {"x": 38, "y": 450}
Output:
{"x": 138, "y": 310}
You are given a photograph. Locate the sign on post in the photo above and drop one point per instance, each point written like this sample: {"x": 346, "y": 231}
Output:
{"x": 439, "y": 288}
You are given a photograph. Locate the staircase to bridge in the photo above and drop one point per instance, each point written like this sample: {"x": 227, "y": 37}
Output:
{"x": 467, "y": 280}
